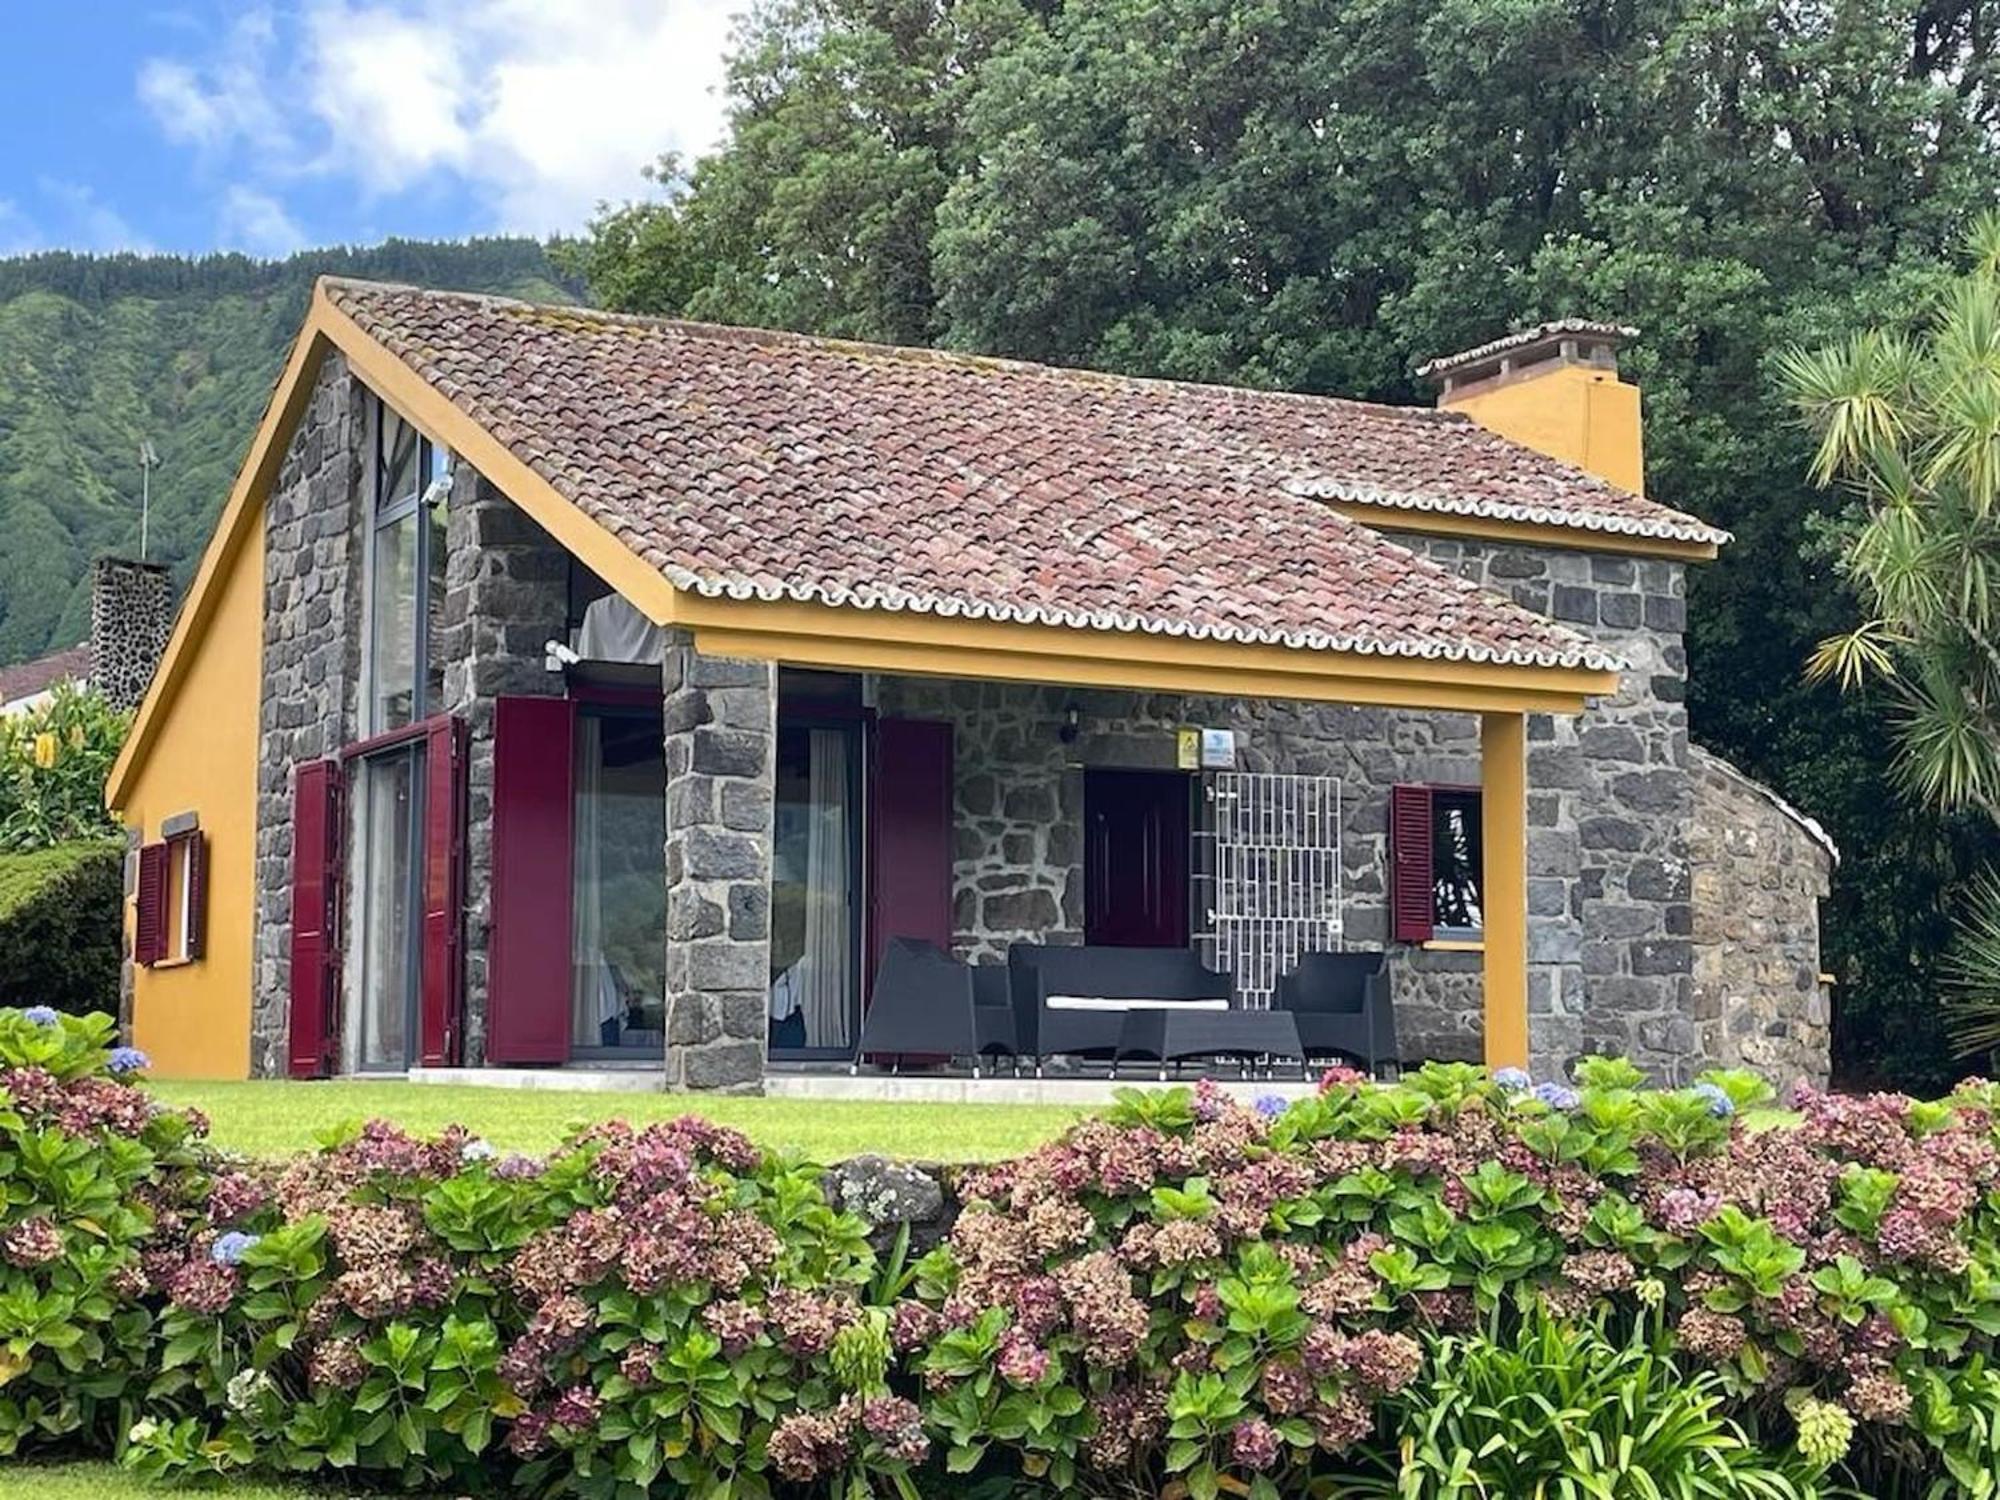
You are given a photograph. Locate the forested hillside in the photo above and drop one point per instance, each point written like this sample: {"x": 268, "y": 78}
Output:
{"x": 98, "y": 354}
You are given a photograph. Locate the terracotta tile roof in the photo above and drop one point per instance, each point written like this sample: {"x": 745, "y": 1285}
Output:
{"x": 25, "y": 679}
{"x": 750, "y": 464}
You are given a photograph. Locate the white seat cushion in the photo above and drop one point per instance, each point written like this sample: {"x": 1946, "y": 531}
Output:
{"x": 1108, "y": 1002}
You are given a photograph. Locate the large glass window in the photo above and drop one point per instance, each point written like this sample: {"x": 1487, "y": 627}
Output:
{"x": 1458, "y": 858}
{"x": 391, "y": 817}
{"x": 406, "y": 575}
{"x": 815, "y": 890}
{"x": 619, "y": 923}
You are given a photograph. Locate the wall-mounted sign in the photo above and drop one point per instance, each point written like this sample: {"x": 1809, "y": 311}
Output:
{"x": 1218, "y": 749}
{"x": 1187, "y": 749}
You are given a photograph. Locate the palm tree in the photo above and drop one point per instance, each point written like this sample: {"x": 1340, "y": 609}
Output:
{"x": 1912, "y": 426}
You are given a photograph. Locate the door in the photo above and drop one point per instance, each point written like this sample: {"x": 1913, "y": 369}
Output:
{"x": 815, "y": 996}
{"x": 383, "y": 1033}
{"x": 1135, "y": 850}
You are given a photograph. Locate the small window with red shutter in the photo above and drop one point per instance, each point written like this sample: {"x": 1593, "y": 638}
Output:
{"x": 1437, "y": 854}
{"x": 172, "y": 897}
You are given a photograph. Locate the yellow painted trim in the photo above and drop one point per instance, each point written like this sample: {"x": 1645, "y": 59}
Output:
{"x": 1454, "y": 945}
{"x": 1503, "y": 801}
{"x": 1393, "y": 518}
{"x": 875, "y": 640}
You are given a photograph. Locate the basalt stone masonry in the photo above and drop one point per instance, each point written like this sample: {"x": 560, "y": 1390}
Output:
{"x": 313, "y": 567}
{"x": 721, "y": 739}
{"x": 506, "y": 595}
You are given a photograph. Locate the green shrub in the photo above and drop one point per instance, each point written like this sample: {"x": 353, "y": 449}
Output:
{"x": 1366, "y": 1292}
{"x": 60, "y": 914}
{"x": 54, "y": 761}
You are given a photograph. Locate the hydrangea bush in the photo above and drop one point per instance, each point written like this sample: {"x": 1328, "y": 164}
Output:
{"x": 1186, "y": 1295}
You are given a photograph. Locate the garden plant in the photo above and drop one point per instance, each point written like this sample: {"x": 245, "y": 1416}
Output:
{"x": 1457, "y": 1285}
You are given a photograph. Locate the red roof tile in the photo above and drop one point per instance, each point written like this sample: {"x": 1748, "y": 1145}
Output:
{"x": 743, "y": 463}
{"x": 27, "y": 678}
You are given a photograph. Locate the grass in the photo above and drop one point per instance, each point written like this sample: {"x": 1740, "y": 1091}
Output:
{"x": 27, "y": 1481}
{"x": 268, "y": 1118}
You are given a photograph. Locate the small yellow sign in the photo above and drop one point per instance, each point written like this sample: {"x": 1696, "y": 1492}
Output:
{"x": 1187, "y": 749}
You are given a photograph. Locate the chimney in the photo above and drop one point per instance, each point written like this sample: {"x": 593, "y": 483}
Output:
{"x": 1553, "y": 388}
{"x": 131, "y": 615}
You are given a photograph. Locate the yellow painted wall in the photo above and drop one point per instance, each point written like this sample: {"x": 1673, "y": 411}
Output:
{"x": 194, "y": 1019}
{"x": 1577, "y": 413}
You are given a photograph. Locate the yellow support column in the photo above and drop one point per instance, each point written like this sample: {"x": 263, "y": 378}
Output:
{"x": 1503, "y": 768}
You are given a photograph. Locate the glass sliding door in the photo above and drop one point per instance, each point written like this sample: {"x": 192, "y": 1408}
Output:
{"x": 816, "y": 891}
{"x": 390, "y": 816}
{"x": 619, "y": 902}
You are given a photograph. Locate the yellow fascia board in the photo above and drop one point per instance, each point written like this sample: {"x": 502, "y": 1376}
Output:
{"x": 876, "y": 640}
{"x": 1394, "y": 518}
{"x": 408, "y": 393}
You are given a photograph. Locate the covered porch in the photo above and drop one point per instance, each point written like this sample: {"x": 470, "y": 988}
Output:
{"x": 1005, "y": 788}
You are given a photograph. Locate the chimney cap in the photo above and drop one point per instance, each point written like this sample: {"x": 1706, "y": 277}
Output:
{"x": 1588, "y": 334}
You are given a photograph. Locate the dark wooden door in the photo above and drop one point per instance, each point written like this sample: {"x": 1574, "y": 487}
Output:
{"x": 1135, "y": 850}
{"x": 911, "y": 836}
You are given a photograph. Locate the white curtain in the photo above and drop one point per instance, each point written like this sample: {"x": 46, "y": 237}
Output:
{"x": 594, "y": 990}
{"x": 828, "y": 926}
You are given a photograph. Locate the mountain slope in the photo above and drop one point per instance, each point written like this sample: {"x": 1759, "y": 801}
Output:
{"x": 98, "y": 354}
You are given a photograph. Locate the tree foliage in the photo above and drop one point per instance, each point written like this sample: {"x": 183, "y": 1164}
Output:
{"x": 1318, "y": 195}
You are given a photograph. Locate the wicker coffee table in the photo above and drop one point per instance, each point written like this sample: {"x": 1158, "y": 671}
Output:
{"x": 1173, "y": 1034}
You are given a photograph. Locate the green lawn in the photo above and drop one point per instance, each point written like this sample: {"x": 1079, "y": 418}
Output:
{"x": 267, "y": 1118}
{"x": 27, "y": 1481}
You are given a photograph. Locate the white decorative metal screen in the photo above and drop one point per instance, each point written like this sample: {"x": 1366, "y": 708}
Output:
{"x": 1276, "y": 877}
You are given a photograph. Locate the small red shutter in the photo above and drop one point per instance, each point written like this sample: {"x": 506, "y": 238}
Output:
{"x": 911, "y": 870}
{"x": 317, "y": 837}
{"x": 444, "y": 864}
{"x": 528, "y": 948}
{"x": 197, "y": 892}
{"x": 1412, "y": 893}
{"x": 149, "y": 928}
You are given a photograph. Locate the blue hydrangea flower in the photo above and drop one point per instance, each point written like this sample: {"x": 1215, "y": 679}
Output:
{"x": 229, "y": 1249}
{"x": 1558, "y": 1096}
{"x": 1719, "y": 1103}
{"x": 1270, "y": 1106}
{"x": 1514, "y": 1080}
{"x": 476, "y": 1149}
{"x": 127, "y": 1060}
{"x": 42, "y": 1015}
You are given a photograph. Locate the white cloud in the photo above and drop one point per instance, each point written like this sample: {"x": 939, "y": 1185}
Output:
{"x": 17, "y": 231}
{"x": 88, "y": 222}
{"x": 543, "y": 108}
{"x": 258, "y": 224}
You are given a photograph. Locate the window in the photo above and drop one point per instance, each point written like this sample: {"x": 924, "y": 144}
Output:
{"x": 172, "y": 903}
{"x": 1437, "y": 854}
{"x": 406, "y": 566}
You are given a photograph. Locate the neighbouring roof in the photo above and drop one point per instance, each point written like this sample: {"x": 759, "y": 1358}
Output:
{"x": 25, "y": 679}
{"x": 1520, "y": 338}
{"x": 749, "y": 464}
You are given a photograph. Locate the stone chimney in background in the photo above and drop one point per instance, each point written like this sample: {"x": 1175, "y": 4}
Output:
{"x": 1553, "y": 388}
{"x": 131, "y": 615}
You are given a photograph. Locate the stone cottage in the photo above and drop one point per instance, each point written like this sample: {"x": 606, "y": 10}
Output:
{"x": 563, "y": 689}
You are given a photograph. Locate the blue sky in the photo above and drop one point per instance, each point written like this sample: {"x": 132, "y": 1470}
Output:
{"x": 193, "y": 125}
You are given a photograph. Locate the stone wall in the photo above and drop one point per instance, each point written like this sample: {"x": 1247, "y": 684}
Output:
{"x": 313, "y": 540}
{"x": 131, "y": 616}
{"x": 1760, "y": 870}
{"x": 721, "y": 735}
{"x": 506, "y": 595}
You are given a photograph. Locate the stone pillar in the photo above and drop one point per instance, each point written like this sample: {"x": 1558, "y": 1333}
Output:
{"x": 313, "y": 551}
{"x": 131, "y": 616}
{"x": 721, "y": 734}
{"x": 506, "y": 596}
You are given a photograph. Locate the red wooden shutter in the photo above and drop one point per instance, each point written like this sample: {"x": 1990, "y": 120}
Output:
{"x": 438, "y": 1028}
{"x": 197, "y": 892}
{"x": 317, "y": 839}
{"x": 149, "y": 927}
{"x": 1412, "y": 893}
{"x": 528, "y": 950}
{"x": 911, "y": 871}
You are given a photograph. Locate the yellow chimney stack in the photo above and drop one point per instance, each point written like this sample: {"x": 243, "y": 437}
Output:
{"x": 1553, "y": 388}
